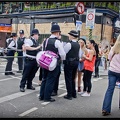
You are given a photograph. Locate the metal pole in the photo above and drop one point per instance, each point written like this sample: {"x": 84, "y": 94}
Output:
{"x": 90, "y": 30}
{"x": 79, "y": 30}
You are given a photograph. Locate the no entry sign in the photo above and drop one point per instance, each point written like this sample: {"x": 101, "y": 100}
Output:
{"x": 80, "y": 7}
{"x": 90, "y": 18}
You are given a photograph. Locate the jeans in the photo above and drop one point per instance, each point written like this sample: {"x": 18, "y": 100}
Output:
{"x": 112, "y": 78}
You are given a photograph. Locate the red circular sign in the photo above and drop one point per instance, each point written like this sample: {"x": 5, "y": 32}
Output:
{"x": 90, "y": 16}
{"x": 80, "y": 8}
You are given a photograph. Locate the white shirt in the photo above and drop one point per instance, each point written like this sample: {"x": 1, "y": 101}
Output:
{"x": 68, "y": 46}
{"x": 28, "y": 42}
{"x": 13, "y": 43}
{"x": 59, "y": 45}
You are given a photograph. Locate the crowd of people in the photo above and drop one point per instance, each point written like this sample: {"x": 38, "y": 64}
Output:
{"x": 80, "y": 58}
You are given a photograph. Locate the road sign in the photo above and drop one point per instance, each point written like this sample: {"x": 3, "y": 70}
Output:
{"x": 78, "y": 25}
{"x": 80, "y": 7}
{"x": 90, "y": 18}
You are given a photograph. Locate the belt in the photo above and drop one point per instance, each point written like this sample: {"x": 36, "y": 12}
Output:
{"x": 29, "y": 58}
{"x": 73, "y": 59}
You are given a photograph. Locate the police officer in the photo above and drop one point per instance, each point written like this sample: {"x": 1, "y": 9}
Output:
{"x": 30, "y": 66}
{"x": 49, "y": 77}
{"x": 12, "y": 47}
{"x": 20, "y": 42}
{"x": 56, "y": 84}
{"x": 71, "y": 64}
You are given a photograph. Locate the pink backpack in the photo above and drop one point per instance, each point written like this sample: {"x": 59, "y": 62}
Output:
{"x": 47, "y": 59}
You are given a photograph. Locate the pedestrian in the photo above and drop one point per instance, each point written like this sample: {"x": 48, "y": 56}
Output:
{"x": 49, "y": 77}
{"x": 56, "y": 84}
{"x": 97, "y": 61}
{"x": 40, "y": 70}
{"x": 83, "y": 50}
{"x": 11, "y": 49}
{"x": 71, "y": 64}
{"x": 32, "y": 47}
{"x": 89, "y": 64}
{"x": 20, "y": 42}
{"x": 113, "y": 76}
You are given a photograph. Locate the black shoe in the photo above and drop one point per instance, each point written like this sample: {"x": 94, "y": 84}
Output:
{"x": 96, "y": 76}
{"x": 32, "y": 88}
{"x": 50, "y": 100}
{"x": 67, "y": 97}
{"x": 7, "y": 73}
{"x": 105, "y": 113}
{"x": 11, "y": 73}
{"x": 20, "y": 71}
{"x": 22, "y": 90}
{"x": 74, "y": 96}
{"x": 54, "y": 94}
{"x": 40, "y": 98}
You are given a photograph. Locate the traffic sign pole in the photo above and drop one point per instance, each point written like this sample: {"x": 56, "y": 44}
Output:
{"x": 90, "y": 30}
{"x": 80, "y": 10}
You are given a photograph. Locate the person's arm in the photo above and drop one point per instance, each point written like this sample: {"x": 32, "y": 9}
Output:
{"x": 11, "y": 45}
{"x": 28, "y": 45}
{"x": 61, "y": 51}
{"x": 90, "y": 55}
{"x": 67, "y": 47}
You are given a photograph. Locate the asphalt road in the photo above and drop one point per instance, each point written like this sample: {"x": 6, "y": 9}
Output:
{"x": 15, "y": 104}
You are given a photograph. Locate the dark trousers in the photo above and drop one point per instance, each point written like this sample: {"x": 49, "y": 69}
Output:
{"x": 29, "y": 71}
{"x": 20, "y": 60}
{"x": 56, "y": 84}
{"x": 48, "y": 81}
{"x": 70, "y": 70}
{"x": 10, "y": 59}
{"x": 97, "y": 63}
{"x": 87, "y": 85}
{"x": 40, "y": 74}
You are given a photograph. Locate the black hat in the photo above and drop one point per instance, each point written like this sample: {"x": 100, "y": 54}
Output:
{"x": 34, "y": 31}
{"x": 73, "y": 33}
{"x": 21, "y": 32}
{"x": 55, "y": 28}
{"x": 14, "y": 35}
{"x": 83, "y": 40}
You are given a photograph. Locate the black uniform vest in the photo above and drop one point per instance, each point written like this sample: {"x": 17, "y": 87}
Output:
{"x": 51, "y": 45}
{"x": 20, "y": 42}
{"x": 74, "y": 51}
{"x": 33, "y": 52}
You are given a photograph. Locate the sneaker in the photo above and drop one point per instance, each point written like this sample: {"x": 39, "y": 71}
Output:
{"x": 85, "y": 94}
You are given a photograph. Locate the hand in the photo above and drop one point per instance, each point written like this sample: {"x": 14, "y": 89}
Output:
{"x": 84, "y": 56}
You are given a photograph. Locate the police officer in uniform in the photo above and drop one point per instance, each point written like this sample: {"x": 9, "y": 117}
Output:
{"x": 12, "y": 47}
{"x": 20, "y": 42}
{"x": 49, "y": 77}
{"x": 30, "y": 66}
{"x": 71, "y": 64}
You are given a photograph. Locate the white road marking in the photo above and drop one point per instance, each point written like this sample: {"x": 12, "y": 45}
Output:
{"x": 28, "y": 111}
{"x": 16, "y": 95}
{"x": 10, "y": 78}
{"x": 45, "y": 103}
{"x": 62, "y": 94}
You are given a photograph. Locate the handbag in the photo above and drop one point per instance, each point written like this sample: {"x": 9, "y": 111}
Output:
{"x": 47, "y": 59}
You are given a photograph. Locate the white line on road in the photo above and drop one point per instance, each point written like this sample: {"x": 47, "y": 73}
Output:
{"x": 62, "y": 94}
{"x": 28, "y": 111}
{"x": 45, "y": 103}
{"x": 16, "y": 95}
{"x": 9, "y": 78}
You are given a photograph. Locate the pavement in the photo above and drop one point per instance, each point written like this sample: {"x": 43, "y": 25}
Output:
{"x": 16, "y": 104}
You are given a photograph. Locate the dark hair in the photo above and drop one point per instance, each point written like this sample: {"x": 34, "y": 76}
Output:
{"x": 95, "y": 46}
{"x": 92, "y": 42}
